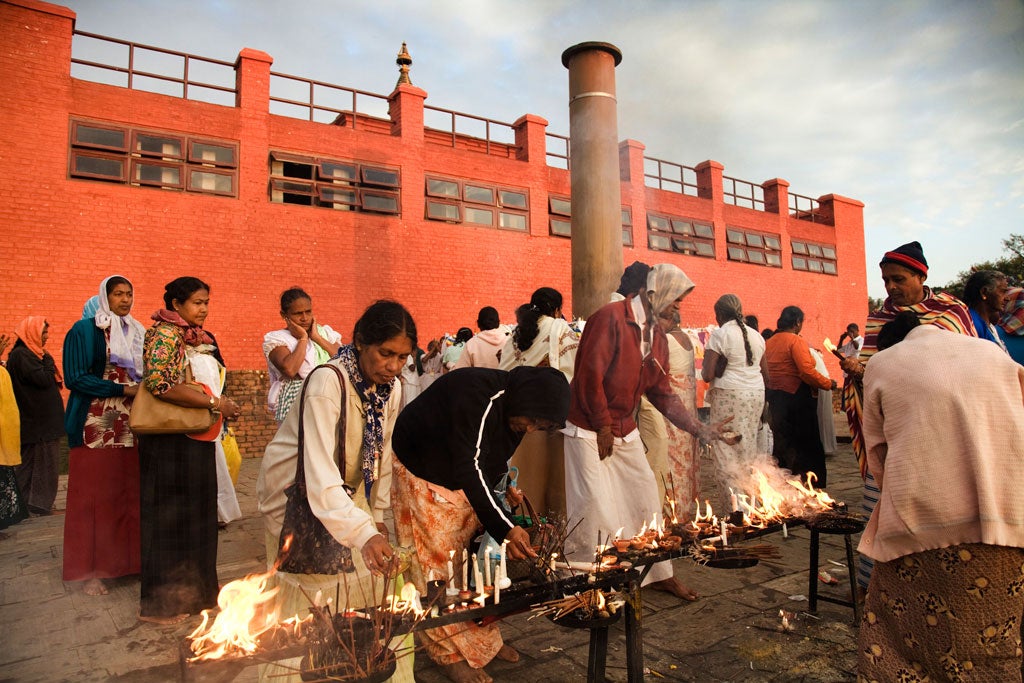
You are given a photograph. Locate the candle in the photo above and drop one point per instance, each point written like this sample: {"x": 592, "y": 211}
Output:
{"x": 505, "y": 581}
{"x": 478, "y": 578}
{"x": 487, "y": 565}
{"x": 451, "y": 568}
{"x": 732, "y": 498}
{"x": 785, "y": 531}
{"x": 497, "y": 584}
{"x": 725, "y": 533}
{"x": 465, "y": 569}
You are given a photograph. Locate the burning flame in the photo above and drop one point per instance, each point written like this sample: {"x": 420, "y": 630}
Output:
{"x": 245, "y": 614}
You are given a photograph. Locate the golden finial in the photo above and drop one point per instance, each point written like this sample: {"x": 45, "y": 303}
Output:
{"x": 404, "y": 61}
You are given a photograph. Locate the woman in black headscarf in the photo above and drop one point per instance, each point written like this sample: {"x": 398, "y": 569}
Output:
{"x": 452, "y": 447}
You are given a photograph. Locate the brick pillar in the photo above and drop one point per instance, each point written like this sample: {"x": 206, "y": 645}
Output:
{"x": 631, "y": 172}
{"x": 252, "y": 98}
{"x": 709, "y": 180}
{"x": 776, "y": 196}
{"x": 531, "y": 138}
{"x": 252, "y": 81}
{"x": 405, "y": 107}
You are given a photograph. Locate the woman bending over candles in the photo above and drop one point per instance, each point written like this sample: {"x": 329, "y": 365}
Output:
{"x": 452, "y": 449}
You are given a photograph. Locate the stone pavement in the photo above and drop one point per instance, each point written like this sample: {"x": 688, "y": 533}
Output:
{"x": 54, "y": 632}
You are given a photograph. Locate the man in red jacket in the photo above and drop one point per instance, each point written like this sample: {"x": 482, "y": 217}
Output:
{"x": 623, "y": 355}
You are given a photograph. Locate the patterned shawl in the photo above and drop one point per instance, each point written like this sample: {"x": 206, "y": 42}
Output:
{"x": 375, "y": 398}
{"x": 938, "y": 309}
{"x": 194, "y": 335}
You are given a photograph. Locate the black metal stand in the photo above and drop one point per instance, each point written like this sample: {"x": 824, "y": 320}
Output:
{"x": 812, "y": 579}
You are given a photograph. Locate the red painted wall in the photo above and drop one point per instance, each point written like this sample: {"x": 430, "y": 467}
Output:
{"x": 62, "y": 236}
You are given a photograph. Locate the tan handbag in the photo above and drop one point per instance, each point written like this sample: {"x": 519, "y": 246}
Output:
{"x": 151, "y": 415}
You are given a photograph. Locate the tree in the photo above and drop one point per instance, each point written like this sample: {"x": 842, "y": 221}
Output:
{"x": 1011, "y": 265}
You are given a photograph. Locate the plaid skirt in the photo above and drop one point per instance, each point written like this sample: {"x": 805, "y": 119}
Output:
{"x": 952, "y": 614}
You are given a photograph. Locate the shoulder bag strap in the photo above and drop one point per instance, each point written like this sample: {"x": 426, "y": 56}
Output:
{"x": 300, "y": 468}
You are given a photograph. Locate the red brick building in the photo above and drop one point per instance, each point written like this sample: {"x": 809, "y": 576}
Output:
{"x": 256, "y": 181}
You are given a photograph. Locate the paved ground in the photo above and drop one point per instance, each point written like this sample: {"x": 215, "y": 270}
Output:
{"x": 53, "y": 632}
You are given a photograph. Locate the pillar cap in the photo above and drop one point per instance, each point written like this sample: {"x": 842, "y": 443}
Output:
{"x": 582, "y": 47}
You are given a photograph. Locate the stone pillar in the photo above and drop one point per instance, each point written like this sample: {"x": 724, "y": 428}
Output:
{"x": 594, "y": 173}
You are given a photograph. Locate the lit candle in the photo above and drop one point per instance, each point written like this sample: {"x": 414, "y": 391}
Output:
{"x": 725, "y": 533}
{"x": 465, "y": 569}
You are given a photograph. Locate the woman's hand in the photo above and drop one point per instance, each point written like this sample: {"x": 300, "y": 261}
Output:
{"x": 295, "y": 330}
{"x": 513, "y": 496}
{"x": 378, "y": 555}
{"x": 228, "y": 408}
{"x": 519, "y": 547}
{"x": 130, "y": 390}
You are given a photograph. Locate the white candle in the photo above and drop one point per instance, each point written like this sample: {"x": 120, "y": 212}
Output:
{"x": 478, "y": 578}
{"x": 725, "y": 533}
{"x": 732, "y": 499}
{"x": 465, "y": 569}
{"x": 785, "y": 531}
{"x": 487, "y": 566}
{"x": 504, "y": 581}
{"x": 497, "y": 584}
{"x": 451, "y": 568}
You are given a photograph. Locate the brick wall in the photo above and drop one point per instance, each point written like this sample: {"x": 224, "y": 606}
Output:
{"x": 62, "y": 236}
{"x": 256, "y": 427}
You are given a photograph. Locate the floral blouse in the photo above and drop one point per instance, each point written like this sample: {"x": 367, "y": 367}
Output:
{"x": 163, "y": 353}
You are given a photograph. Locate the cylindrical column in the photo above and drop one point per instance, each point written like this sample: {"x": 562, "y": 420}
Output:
{"x": 594, "y": 172}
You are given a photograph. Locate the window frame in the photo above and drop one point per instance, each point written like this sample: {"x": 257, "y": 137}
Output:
{"x": 746, "y": 245}
{"x": 319, "y": 183}
{"x": 805, "y": 259}
{"x": 494, "y": 205}
{"x": 681, "y": 231}
{"x": 132, "y": 157}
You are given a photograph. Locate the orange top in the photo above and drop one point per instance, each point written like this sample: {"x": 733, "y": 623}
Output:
{"x": 790, "y": 363}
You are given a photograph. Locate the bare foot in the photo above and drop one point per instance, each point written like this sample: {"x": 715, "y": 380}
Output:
{"x": 507, "y": 653}
{"x": 675, "y": 587}
{"x": 164, "y": 621}
{"x": 94, "y": 587}
{"x": 462, "y": 672}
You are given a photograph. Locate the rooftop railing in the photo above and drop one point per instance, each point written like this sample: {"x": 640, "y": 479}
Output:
{"x": 498, "y": 137}
{"x": 153, "y": 69}
{"x": 557, "y": 150}
{"x": 322, "y": 102}
{"x": 670, "y": 176}
{"x": 805, "y": 208}
{"x": 742, "y": 193}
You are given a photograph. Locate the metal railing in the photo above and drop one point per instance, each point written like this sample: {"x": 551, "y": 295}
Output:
{"x": 670, "y": 176}
{"x": 742, "y": 193}
{"x": 805, "y": 208}
{"x": 556, "y": 149}
{"x": 178, "y": 73}
{"x": 489, "y": 131}
{"x": 346, "y": 110}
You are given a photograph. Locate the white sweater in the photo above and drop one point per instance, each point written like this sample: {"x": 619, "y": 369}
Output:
{"x": 944, "y": 432}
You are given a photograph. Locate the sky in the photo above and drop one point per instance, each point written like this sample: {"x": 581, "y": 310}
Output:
{"x": 914, "y": 107}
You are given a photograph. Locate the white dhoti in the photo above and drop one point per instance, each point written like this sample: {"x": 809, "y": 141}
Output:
{"x": 619, "y": 491}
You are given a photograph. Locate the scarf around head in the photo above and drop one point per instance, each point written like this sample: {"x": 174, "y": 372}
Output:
{"x": 126, "y": 334}
{"x": 30, "y": 332}
{"x": 665, "y": 284}
{"x": 91, "y": 307}
{"x": 374, "y": 397}
{"x": 194, "y": 335}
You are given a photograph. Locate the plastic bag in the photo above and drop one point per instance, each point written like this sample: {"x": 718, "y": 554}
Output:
{"x": 232, "y": 453}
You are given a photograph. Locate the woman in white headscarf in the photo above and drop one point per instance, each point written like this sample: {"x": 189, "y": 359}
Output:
{"x": 102, "y": 368}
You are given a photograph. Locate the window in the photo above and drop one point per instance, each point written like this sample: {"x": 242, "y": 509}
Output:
{"x": 560, "y": 211}
{"x": 170, "y": 161}
{"x": 749, "y": 246}
{"x": 471, "y": 203}
{"x": 681, "y": 235}
{"x": 814, "y": 257}
{"x": 334, "y": 184}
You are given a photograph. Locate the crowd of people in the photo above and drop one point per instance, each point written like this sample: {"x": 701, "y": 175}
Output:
{"x": 567, "y": 415}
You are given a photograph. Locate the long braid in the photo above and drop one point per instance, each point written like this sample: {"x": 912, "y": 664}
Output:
{"x": 746, "y": 342}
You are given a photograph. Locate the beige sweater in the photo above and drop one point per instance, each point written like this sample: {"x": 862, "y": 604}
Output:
{"x": 944, "y": 432}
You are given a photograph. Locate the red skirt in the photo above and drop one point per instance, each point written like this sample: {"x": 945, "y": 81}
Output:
{"x": 101, "y": 525}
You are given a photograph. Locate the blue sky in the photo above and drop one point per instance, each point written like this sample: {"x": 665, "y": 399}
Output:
{"x": 915, "y": 108}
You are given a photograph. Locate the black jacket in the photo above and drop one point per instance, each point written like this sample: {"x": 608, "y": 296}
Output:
{"x": 456, "y": 434}
{"x": 37, "y": 394}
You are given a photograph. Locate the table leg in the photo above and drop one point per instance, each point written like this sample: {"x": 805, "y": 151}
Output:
{"x": 812, "y": 579}
{"x": 598, "y": 654}
{"x": 634, "y": 635}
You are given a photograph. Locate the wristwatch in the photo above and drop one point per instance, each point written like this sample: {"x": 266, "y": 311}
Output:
{"x": 213, "y": 402}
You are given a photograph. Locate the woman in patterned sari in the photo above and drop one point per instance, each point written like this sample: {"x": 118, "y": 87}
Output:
{"x": 102, "y": 368}
{"x": 178, "y": 473}
{"x": 904, "y": 271}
